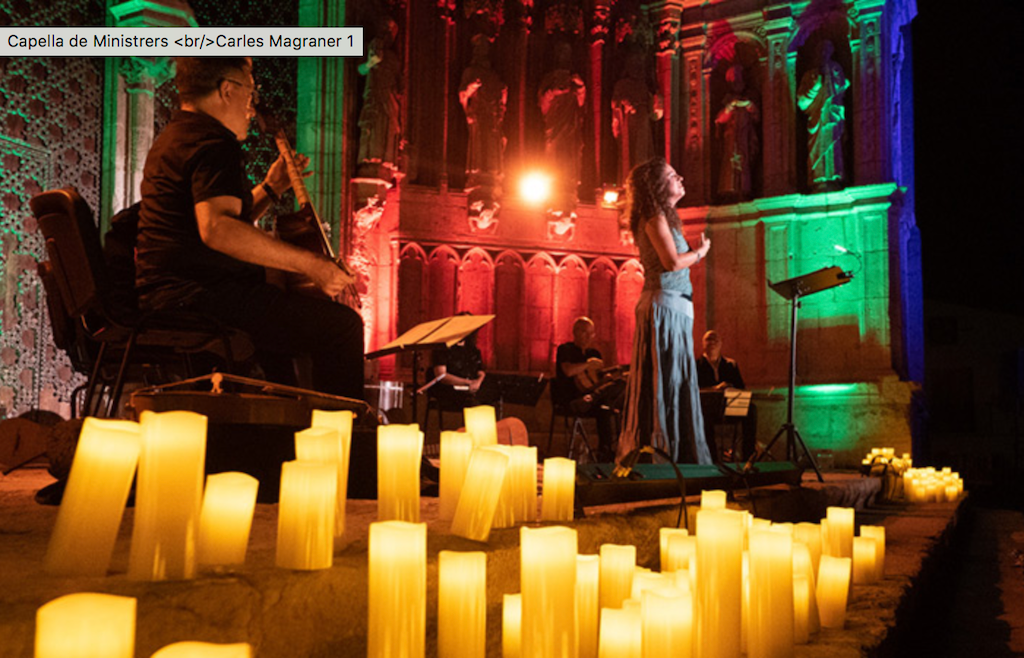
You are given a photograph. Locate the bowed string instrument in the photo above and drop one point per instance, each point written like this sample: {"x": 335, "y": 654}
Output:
{"x": 305, "y": 229}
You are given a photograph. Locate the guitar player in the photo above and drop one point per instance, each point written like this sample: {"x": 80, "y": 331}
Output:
{"x": 198, "y": 250}
{"x": 584, "y": 387}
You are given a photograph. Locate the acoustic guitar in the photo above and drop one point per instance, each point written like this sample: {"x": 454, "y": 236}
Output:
{"x": 595, "y": 375}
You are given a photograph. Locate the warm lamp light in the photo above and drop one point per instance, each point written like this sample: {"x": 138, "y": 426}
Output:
{"x": 618, "y": 563}
{"x": 610, "y": 196}
{"x": 833, "y": 590}
{"x": 511, "y": 626}
{"x": 719, "y": 579}
{"x": 478, "y": 502}
{"x": 399, "y": 451}
{"x": 482, "y": 425}
{"x": 204, "y": 650}
{"x": 86, "y": 625}
{"x": 323, "y": 445}
{"x": 547, "y": 573}
{"x": 226, "y": 518}
{"x": 90, "y": 512}
{"x": 341, "y": 421}
{"x": 559, "y": 489}
{"x": 535, "y": 187}
{"x": 588, "y": 609}
{"x": 456, "y": 448}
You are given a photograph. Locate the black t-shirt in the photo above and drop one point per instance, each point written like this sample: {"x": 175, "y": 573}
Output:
{"x": 563, "y": 389}
{"x": 460, "y": 360}
{"x": 194, "y": 159}
{"x": 728, "y": 372}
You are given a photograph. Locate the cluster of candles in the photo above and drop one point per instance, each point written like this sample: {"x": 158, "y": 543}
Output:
{"x": 778, "y": 583}
{"x": 928, "y": 485}
{"x": 887, "y": 456}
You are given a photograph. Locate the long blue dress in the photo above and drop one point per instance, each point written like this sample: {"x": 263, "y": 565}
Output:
{"x": 662, "y": 399}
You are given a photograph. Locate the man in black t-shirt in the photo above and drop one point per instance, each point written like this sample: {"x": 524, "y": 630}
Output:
{"x": 198, "y": 247}
{"x": 461, "y": 371}
{"x": 576, "y": 390}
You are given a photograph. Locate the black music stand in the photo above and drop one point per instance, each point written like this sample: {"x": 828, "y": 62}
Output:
{"x": 430, "y": 336}
{"x": 793, "y": 290}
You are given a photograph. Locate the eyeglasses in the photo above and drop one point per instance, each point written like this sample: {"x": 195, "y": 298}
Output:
{"x": 255, "y": 98}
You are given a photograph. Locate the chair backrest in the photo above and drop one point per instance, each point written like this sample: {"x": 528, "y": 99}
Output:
{"x": 65, "y": 330}
{"x": 73, "y": 245}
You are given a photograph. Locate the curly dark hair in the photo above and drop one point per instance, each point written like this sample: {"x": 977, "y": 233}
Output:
{"x": 646, "y": 194}
{"x": 196, "y": 77}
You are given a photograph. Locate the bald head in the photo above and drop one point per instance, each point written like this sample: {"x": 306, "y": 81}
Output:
{"x": 712, "y": 344}
{"x": 583, "y": 332}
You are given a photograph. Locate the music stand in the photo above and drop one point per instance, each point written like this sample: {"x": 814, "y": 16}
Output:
{"x": 794, "y": 289}
{"x": 431, "y": 335}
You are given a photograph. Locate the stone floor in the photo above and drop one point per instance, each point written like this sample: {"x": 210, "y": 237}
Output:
{"x": 319, "y": 614}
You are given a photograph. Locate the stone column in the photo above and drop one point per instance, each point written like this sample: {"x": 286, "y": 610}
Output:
{"x": 129, "y": 103}
{"x": 522, "y": 23}
{"x": 598, "y": 38}
{"x": 778, "y": 104}
{"x": 320, "y": 120}
{"x": 697, "y": 155}
{"x": 870, "y": 134}
{"x": 666, "y": 15}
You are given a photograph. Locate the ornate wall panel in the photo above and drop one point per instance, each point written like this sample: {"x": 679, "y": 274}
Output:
{"x": 442, "y": 279}
{"x": 601, "y": 305}
{"x": 510, "y": 323}
{"x": 539, "y": 307}
{"x": 628, "y": 285}
{"x": 570, "y": 296}
{"x": 476, "y": 295}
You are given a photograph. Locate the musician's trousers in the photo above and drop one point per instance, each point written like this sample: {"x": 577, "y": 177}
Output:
{"x": 284, "y": 325}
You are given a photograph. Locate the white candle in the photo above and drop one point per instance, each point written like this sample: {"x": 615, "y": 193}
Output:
{"x": 864, "y": 555}
{"x": 86, "y": 625}
{"x": 204, "y": 650}
{"x": 481, "y": 425}
{"x": 833, "y": 589}
{"x": 456, "y": 448}
{"x": 663, "y": 537}
{"x": 645, "y": 580}
{"x": 771, "y": 595}
{"x": 719, "y": 583}
{"x": 667, "y": 623}
{"x": 504, "y": 513}
{"x": 461, "y": 604}
{"x": 548, "y": 585}
{"x": 840, "y": 531}
{"x": 342, "y": 422}
{"x": 682, "y": 550}
{"x": 511, "y": 626}
{"x": 876, "y": 532}
{"x": 305, "y": 515}
{"x": 398, "y": 590}
{"x": 168, "y": 496}
{"x": 323, "y": 445}
{"x": 621, "y": 633}
{"x": 523, "y": 470}
{"x": 801, "y": 608}
{"x": 559, "y": 489}
{"x": 809, "y": 534}
{"x": 802, "y": 566}
{"x": 618, "y": 563}
{"x": 588, "y": 570}
{"x": 712, "y": 499}
{"x": 226, "y": 518}
{"x": 94, "y": 499}
{"x": 480, "y": 493}
{"x": 399, "y": 451}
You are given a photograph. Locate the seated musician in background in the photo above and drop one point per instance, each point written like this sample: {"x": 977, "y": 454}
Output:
{"x": 459, "y": 374}
{"x": 200, "y": 251}
{"x": 580, "y": 386}
{"x": 716, "y": 373}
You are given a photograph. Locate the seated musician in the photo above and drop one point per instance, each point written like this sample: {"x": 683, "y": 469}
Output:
{"x": 716, "y": 372}
{"x": 460, "y": 373}
{"x": 580, "y": 387}
{"x": 199, "y": 250}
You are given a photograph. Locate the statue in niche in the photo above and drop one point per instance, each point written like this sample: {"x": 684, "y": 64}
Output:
{"x": 634, "y": 107}
{"x": 379, "y": 126}
{"x": 820, "y": 96}
{"x": 561, "y": 96}
{"x": 736, "y": 128}
{"x": 484, "y": 98}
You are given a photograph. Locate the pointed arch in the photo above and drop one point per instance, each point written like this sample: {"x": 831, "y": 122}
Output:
{"x": 442, "y": 281}
{"x": 540, "y": 299}
{"x": 411, "y": 286}
{"x": 510, "y": 351}
{"x": 601, "y": 306}
{"x": 629, "y": 283}
{"x": 476, "y": 295}
{"x": 571, "y": 282}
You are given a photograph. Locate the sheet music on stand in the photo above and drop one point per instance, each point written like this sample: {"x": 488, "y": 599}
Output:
{"x": 737, "y": 403}
{"x": 433, "y": 334}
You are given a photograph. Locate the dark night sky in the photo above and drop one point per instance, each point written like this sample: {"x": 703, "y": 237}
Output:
{"x": 969, "y": 132}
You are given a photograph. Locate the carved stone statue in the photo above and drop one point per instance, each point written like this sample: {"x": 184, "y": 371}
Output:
{"x": 379, "y": 125}
{"x": 736, "y": 127}
{"x": 634, "y": 107}
{"x": 561, "y": 96}
{"x": 820, "y": 96}
{"x": 483, "y": 97}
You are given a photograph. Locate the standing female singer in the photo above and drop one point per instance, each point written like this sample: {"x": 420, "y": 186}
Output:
{"x": 662, "y": 399}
